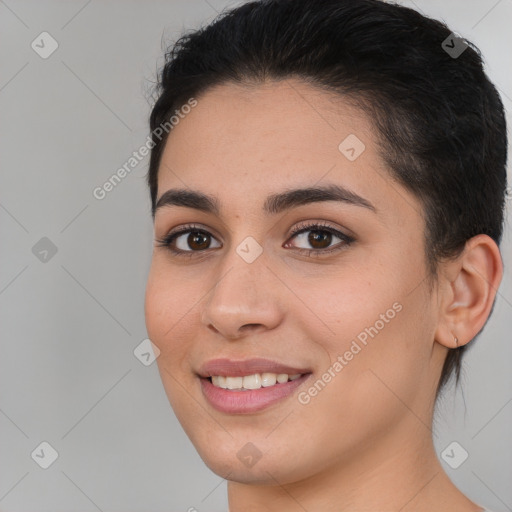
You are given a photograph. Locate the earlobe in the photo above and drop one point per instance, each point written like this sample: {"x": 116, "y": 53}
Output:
{"x": 469, "y": 293}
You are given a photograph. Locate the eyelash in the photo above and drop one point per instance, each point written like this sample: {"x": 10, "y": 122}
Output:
{"x": 167, "y": 241}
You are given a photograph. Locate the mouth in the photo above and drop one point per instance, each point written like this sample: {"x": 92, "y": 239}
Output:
{"x": 241, "y": 387}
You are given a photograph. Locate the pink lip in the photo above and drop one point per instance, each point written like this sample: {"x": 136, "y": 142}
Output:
{"x": 244, "y": 402}
{"x": 241, "y": 368}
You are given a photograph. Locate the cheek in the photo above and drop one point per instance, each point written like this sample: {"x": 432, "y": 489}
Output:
{"x": 167, "y": 312}
{"x": 169, "y": 305}
{"x": 375, "y": 387}
{"x": 167, "y": 316}
{"x": 353, "y": 304}
{"x": 380, "y": 324}
{"x": 158, "y": 306}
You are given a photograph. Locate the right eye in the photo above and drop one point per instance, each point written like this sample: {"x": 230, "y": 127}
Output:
{"x": 196, "y": 240}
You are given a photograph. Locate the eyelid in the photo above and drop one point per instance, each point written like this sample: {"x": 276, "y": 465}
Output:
{"x": 184, "y": 228}
{"x": 320, "y": 224}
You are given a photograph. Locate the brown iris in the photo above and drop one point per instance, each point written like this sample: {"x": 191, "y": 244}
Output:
{"x": 322, "y": 237}
{"x": 198, "y": 240}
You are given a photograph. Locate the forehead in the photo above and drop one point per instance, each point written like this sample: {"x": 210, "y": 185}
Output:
{"x": 283, "y": 127}
{"x": 297, "y": 112}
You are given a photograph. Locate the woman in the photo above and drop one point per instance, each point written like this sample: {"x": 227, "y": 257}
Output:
{"x": 327, "y": 182}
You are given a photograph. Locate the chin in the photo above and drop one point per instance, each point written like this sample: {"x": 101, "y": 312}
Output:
{"x": 258, "y": 463}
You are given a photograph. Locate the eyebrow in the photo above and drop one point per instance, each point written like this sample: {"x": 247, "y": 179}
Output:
{"x": 274, "y": 204}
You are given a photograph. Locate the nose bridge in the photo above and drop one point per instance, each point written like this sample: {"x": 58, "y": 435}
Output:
{"x": 238, "y": 281}
{"x": 241, "y": 294}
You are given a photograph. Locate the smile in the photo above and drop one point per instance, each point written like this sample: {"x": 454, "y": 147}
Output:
{"x": 255, "y": 381}
{"x": 242, "y": 400}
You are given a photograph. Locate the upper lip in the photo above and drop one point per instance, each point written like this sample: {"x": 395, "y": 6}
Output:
{"x": 241, "y": 368}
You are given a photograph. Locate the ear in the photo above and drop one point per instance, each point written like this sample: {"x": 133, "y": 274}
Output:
{"x": 468, "y": 289}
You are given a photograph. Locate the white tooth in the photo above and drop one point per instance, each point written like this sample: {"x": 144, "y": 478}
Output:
{"x": 255, "y": 381}
{"x": 252, "y": 381}
{"x": 221, "y": 381}
{"x": 268, "y": 379}
{"x": 234, "y": 382}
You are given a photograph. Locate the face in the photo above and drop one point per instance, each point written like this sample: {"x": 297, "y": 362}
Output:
{"x": 328, "y": 287}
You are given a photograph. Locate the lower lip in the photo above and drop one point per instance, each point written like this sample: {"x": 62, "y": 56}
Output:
{"x": 253, "y": 400}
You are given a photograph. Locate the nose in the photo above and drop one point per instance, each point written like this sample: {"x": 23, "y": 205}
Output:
{"x": 246, "y": 299}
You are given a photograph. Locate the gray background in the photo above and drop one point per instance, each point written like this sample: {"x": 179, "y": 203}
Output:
{"x": 69, "y": 325}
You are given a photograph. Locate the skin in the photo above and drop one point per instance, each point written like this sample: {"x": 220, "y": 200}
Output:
{"x": 363, "y": 443}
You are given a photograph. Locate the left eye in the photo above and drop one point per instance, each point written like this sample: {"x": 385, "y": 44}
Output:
{"x": 319, "y": 238}
{"x": 192, "y": 240}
